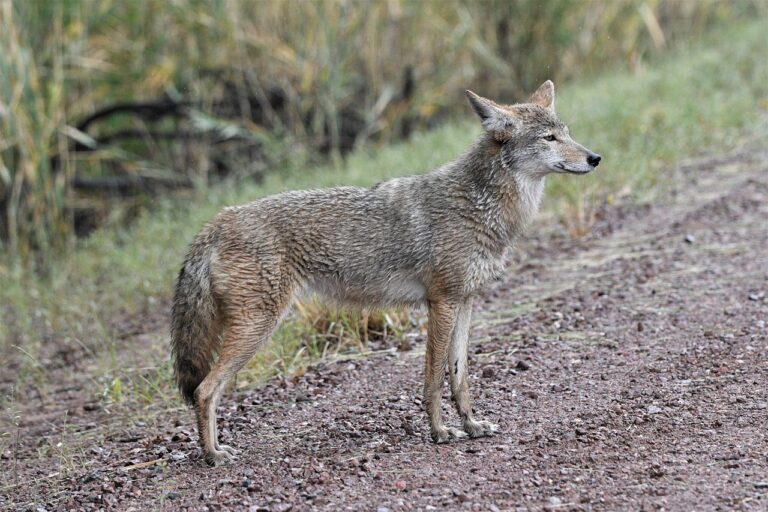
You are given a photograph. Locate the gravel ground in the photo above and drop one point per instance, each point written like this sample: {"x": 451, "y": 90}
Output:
{"x": 627, "y": 370}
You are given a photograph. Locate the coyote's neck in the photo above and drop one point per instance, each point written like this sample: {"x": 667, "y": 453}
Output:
{"x": 509, "y": 199}
{"x": 529, "y": 192}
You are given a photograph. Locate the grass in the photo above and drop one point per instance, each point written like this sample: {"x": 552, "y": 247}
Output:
{"x": 279, "y": 74}
{"x": 697, "y": 98}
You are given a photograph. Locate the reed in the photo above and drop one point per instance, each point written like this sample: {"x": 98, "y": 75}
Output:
{"x": 296, "y": 77}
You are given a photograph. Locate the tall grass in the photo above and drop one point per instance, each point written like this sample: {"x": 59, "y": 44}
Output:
{"x": 32, "y": 112}
{"x": 319, "y": 74}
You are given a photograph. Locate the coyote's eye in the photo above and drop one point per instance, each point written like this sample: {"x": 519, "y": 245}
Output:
{"x": 550, "y": 137}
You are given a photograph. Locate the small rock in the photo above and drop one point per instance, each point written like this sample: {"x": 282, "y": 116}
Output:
{"x": 173, "y": 495}
{"x": 382, "y": 509}
{"x": 653, "y": 409}
{"x": 488, "y": 372}
{"x": 463, "y": 498}
{"x": 756, "y": 296}
{"x": 761, "y": 485}
{"x": 554, "y": 501}
{"x": 400, "y": 485}
{"x": 522, "y": 365}
{"x": 689, "y": 238}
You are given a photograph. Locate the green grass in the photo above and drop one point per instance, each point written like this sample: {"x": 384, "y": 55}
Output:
{"x": 698, "y": 98}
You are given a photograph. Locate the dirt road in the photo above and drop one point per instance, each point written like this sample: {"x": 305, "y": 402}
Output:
{"x": 627, "y": 370}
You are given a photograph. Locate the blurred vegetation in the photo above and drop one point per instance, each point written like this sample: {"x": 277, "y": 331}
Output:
{"x": 104, "y": 103}
{"x": 704, "y": 96}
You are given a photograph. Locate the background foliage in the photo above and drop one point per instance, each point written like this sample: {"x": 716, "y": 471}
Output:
{"x": 105, "y": 102}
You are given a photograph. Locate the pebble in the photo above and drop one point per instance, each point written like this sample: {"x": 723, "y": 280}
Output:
{"x": 653, "y": 409}
{"x": 522, "y": 365}
{"x": 689, "y": 238}
{"x": 554, "y": 501}
{"x": 463, "y": 498}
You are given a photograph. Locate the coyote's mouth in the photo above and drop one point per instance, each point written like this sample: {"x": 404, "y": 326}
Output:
{"x": 561, "y": 167}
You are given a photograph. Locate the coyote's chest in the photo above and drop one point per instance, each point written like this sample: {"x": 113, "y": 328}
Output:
{"x": 509, "y": 222}
{"x": 483, "y": 268}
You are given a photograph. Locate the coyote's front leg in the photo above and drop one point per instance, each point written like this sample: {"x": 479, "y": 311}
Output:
{"x": 458, "y": 370}
{"x": 442, "y": 318}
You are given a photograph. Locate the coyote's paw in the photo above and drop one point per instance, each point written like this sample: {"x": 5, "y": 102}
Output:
{"x": 228, "y": 449}
{"x": 444, "y": 434}
{"x": 480, "y": 428}
{"x": 220, "y": 457}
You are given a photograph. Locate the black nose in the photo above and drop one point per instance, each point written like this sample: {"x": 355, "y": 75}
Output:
{"x": 593, "y": 159}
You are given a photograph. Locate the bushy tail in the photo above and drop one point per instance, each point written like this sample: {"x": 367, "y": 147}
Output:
{"x": 194, "y": 337}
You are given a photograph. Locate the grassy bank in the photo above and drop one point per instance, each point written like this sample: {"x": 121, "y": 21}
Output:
{"x": 697, "y": 98}
{"x": 228, "y": 88}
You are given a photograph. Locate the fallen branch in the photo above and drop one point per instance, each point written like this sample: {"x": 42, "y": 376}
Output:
{"x": 141, "y": 465}
{"x": 129, "y": 183}
{"x": 151, "y": 110}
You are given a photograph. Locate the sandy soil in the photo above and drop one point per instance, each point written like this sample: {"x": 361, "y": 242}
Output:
{"x": 627, "y": 370}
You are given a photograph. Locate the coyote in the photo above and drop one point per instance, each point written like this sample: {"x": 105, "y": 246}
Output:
{"x": 433, "y": 239}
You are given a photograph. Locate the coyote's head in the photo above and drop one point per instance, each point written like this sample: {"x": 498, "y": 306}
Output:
{"x": 532, "y": 139}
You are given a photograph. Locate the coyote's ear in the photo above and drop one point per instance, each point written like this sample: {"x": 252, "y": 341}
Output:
{"x": 494, "y": 117}
{"x": 544, "y": 96}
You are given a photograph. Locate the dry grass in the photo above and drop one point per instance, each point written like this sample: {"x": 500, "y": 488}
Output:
{"x": 284, "y": 74}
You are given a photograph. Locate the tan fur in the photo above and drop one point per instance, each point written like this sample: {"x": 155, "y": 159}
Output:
{"x": 434, "y": 239}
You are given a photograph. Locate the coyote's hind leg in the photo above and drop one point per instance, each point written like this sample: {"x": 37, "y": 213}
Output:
{"x": 251, "y": 315}
{"x": 241, "y": 341}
